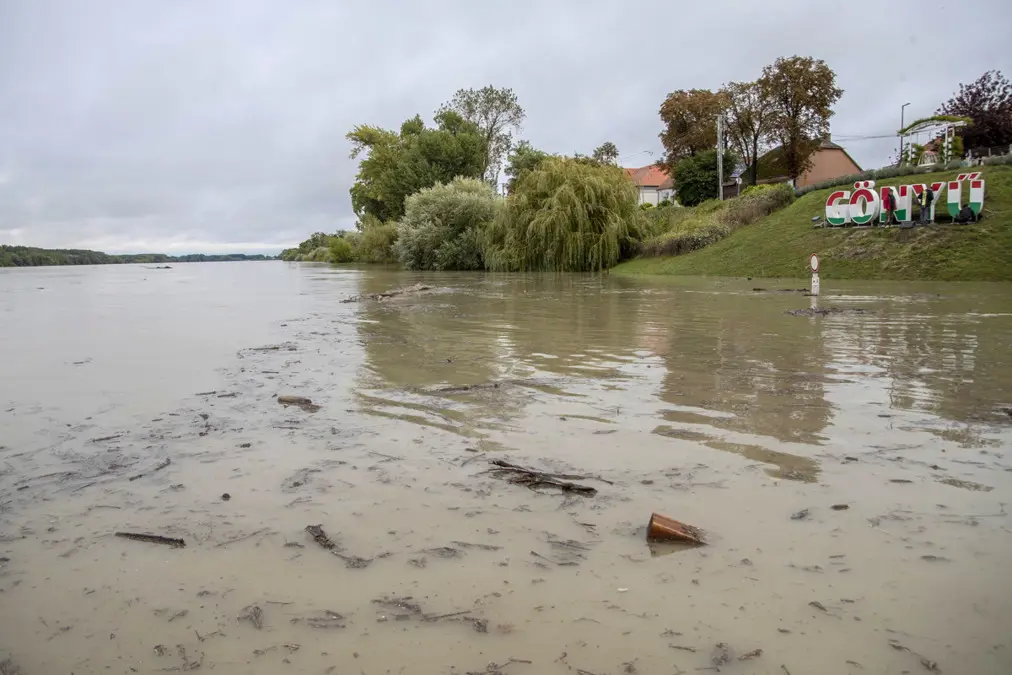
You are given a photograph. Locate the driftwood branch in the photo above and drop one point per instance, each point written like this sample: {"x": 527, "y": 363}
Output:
{"x": 502, "y": 465}
{"x": 153, "y": 539}
{"x": 320, "y": 537}
{"x": 157, "y": 468}
{"x": 533, "y": 479}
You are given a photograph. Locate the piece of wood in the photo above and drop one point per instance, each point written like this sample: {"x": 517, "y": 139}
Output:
{"x": 320, "y": 537}
{"x": 153, "y": 539}
{"x": 299, "y": 402}
{"x": 157, "y": 468}
{"x": 506, "y": 466}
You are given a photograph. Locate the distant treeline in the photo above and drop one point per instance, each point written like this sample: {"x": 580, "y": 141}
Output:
{"x": 27, "y": 256}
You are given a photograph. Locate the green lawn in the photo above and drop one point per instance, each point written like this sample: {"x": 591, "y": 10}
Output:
{"x": 779, "y": 244}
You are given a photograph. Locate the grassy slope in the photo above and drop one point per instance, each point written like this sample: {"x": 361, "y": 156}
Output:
{"x": 779, "y": 245}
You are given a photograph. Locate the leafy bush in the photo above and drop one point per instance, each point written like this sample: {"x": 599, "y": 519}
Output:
{"x": 646, "y": 206}
{"x": 321, "y": 254}
{"x": 567, "y": 216}
{"x": 997, "y": 160}
{"x": 699, "y": 234}
{"x": 756, "y": 202}
{"x": 375, "y": 243}
{"x": 340, "y": 250}
{"x": 441, "y": 227}
{"x": 696, "y": 177}
{"x": 692, "y": 228}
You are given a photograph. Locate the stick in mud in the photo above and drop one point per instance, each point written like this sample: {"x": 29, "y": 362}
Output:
{"x": 534, "y": 479}
{"x": 148, "y": 473}
{"x": 320, "y": 537}
{"x": 153, "y": 539}
{"x": 506, "y": 466}
{"x": 299, "y": 402}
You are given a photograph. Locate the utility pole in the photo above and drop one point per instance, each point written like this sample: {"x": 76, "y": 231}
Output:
{"x": 720, "y": 157}
{"x": 902, "y": 110}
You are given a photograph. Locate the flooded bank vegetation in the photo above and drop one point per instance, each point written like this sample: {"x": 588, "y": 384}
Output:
{"x": 425, "y": 197}
{"x": 569, "y": 215}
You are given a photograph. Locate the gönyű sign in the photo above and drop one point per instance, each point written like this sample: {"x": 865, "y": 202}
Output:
{"x": 864, "y": 204}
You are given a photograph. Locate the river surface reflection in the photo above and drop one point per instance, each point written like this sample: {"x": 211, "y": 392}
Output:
{"x": 132, "y": 399}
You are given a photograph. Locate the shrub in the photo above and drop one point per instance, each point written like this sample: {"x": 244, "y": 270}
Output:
{"x": 879, "y": 174}
{"x": 567, "y": 216}
{"x": 646, "y": 206}
{"x": 441, "y": 227}
{"x": 696, "y": 177}
{"x": 756, "y": 202}
{"x": 320, "y": 254}
{"x": 340, "y": 250}
{"x": 689, "y": 229}
{"x": 375, "y": 243}
{"x": 997, "y": 160}
{"x": 703, "y": 232}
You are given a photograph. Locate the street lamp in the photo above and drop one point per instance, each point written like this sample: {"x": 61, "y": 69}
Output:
{"x": 902, "y": 110}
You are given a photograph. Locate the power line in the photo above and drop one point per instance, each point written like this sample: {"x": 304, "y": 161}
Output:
{"x": 863, "y": 137}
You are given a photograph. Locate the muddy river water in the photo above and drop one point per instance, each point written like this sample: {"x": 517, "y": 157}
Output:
{"x": 852, "y": 471}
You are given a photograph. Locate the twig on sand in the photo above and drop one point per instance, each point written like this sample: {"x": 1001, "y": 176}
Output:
{"x": 534, "y": 479}
{"x": 243, "y": 537}
{"x": 157, "y": 468}
{"x": 506, "y": 466}
{"x": 437, "y": 617}
{"x": 153, "y": 539}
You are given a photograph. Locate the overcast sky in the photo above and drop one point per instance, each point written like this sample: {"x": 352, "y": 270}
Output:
{"x": 212, "y": 126}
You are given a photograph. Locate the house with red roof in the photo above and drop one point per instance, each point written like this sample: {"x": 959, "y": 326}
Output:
{"x": 654, "y": 183}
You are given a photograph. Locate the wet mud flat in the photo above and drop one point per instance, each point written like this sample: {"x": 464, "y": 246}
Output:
{"x": 363, "y": 497}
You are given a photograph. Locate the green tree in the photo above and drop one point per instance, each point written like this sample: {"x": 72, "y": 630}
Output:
{"x": 749, "y": 116}
{"x": 690, "y": 123}
{"x": 340, "y": 250}
{"x": 442, "y": 226}
{"x": 497, "y": 114}
{"x": 802, "y": 92}
{"x": 564, "y": 215}
{"x": 396, "y": 165}
{"x": 525, "y": 157}
{"x": 696, "y": 177}
{"x": 988, "y": 102}
{"x": 606, "y": 153}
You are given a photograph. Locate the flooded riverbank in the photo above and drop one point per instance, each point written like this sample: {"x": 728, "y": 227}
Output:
{"x": 853, "y": 471}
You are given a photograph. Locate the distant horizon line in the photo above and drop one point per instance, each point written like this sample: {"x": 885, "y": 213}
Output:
{"x": 264, "y": 252}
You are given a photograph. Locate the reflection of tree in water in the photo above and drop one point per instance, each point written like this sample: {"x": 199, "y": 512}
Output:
{"x": 572, "y": 325}
{"x": 532, "y": 334}
{"x": 936, "y": 357}
{"x": 495, "y": 327}
{"x": 737, "y": 362}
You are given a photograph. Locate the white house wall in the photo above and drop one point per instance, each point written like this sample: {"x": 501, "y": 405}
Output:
{"x": 654, "y": 196}
{"x": 649, "y": 196}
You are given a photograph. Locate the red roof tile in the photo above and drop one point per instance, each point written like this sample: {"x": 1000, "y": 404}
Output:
{"x": 650, "y": 176}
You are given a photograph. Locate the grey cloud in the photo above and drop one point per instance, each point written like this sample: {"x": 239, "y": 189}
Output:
{"x": 192, "y": 125}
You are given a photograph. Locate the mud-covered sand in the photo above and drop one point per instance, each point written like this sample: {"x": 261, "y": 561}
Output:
{"x": 852, "y": 472}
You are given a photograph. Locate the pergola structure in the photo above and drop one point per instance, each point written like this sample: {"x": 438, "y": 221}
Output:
{"x": 943, "y": 127}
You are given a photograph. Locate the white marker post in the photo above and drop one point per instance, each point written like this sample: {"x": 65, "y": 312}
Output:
{"x": 813, "y": 262}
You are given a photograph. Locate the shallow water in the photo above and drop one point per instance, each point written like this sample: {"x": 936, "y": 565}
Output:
{"x": 700, "y": 399}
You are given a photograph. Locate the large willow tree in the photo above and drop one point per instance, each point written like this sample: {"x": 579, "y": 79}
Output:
{"x": 566, "y": 215}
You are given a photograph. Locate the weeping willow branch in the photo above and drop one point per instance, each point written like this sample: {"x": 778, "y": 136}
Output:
{"x": 568, "y": 215}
